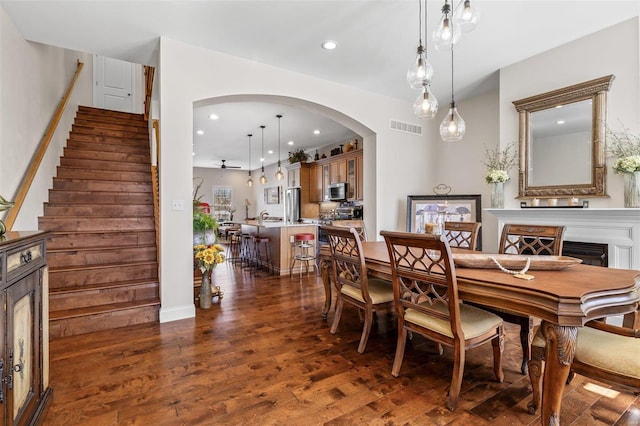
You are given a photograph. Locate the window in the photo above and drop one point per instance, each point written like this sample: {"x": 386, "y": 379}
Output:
{"x": 221, "y": 209}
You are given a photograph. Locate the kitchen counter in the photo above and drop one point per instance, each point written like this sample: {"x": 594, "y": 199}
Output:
{"x": 274, "y": 224}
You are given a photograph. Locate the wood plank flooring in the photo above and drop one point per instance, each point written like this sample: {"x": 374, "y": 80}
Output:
{"x": 263, "y": 356}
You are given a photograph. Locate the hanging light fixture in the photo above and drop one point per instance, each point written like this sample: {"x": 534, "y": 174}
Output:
{"x": 467, "y": 15}
{"x": 448, "y": 31}
{"x": 421, "y": 69}
{"x": 263, "y": 178}
{"x": 250, "y": 181}
{"x": 279, "y": 174}
{"x": 426, "y": 104}
{"x": 452, "y": 127}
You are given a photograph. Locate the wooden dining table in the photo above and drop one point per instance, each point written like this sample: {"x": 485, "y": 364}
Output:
{"x": 564, "y": 299}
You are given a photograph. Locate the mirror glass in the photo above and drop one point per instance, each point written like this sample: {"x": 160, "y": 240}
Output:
{"x": 561, "y": 141}
{"x": 560, "y": 151}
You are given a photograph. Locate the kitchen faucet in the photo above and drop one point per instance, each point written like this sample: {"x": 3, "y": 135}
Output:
{"x": 263, "y": 215}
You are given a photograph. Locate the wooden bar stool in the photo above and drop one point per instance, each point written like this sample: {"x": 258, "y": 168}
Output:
{"x": 235, "y": 244}
{"x": 301, "y": 245}
{"x": 262, "y": 253}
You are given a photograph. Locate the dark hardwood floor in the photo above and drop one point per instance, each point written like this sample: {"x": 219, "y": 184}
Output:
{"x": 263, "y": 356}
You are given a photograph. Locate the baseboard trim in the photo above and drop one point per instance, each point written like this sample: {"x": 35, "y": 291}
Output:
{"x": 177, "y": 313}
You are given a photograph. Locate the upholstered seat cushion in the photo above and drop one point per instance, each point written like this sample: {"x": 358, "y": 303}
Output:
{"x": 380, "y": 291}
{"x": 605, "y": 351}
{"x": 474, "y": 321}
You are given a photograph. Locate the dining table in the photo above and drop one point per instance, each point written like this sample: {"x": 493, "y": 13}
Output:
{"x": 563, "y": 298}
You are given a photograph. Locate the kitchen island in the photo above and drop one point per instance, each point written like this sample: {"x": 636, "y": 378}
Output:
{"x": 281, "y": 235}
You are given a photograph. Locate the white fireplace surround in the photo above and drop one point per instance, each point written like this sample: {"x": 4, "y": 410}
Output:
{"x": 618, "y": 228}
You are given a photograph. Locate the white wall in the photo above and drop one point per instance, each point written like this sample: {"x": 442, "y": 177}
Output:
{"x": 614, "y": 50}
{"x": 397, "y": 164}
{"x": 33, "y": 79}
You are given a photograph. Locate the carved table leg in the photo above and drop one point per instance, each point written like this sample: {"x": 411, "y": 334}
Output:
{"x": 561, "y": 347}
{"x": 325, "y": 264}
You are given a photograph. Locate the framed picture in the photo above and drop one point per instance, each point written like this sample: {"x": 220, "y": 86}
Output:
{"x": 453, "y": 208}
{"x": 272, "y": 195}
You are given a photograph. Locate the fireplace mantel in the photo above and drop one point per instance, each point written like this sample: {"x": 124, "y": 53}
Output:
{"x": 618, "y": 228}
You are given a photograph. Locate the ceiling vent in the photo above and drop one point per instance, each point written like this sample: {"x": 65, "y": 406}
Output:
{"x": 400, "y": 126}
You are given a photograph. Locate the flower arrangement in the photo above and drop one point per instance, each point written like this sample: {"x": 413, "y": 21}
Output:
{"x": 626, "y": 147}
{"x": 208, "y": 257}
{"x": 298, "y": 156}
{"x": 498, "y": 163}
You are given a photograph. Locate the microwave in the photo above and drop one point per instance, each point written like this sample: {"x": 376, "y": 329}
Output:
{"x": 337, "y": 191}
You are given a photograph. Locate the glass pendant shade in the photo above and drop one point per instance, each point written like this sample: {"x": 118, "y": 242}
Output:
{"x": 420, "y": 71}
{"x": 279, "y": 174}
{"x": 426, "y": 104}
{"x": 467, "y": 15}
{"x": 263, "y": 178}
{"x": 250, "y": 181}
{"x": 448, "y": 31}
{"x": 452, "y": 127}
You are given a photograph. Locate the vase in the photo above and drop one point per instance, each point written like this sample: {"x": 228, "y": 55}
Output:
{"x": 205, "y": 290}
{"x": 497, "y": 195}
{"x": 632, "y": 189}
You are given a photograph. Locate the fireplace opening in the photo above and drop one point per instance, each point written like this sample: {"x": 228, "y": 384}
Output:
{"x": 591, "y": 253}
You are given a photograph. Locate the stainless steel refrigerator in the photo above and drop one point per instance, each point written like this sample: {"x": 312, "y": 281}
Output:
{"x": 292, "y": 205}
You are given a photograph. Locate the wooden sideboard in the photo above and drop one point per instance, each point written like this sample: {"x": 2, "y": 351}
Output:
{"x": 24, "y": 340}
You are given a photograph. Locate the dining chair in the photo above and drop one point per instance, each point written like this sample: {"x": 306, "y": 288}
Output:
{"x": 353, "y": 284}
{"x": 426, "y": 299}
{"x": 604, "y": 352}
{"x": 463, "y": 235}
{"x": 533, "y": 240}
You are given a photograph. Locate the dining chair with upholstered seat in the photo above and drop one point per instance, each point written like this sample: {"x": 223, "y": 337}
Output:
{"x": 352, "y": 282}
{"x": 604, "y": 352}
{"x": 426, "y": 300}
{"x": 523, "y": 240}
{"x": 462, "y": 235}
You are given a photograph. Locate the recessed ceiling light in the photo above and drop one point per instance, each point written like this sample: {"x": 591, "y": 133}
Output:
{"x": 270, "y": 151}
{"x": 213, "y": 116}
{"x": 560, "y": 122}
{"x": 316, "y": 132}
{"x": 200, "y": 132}
{"x": 290, "y": 143}
{"x": 329, "y": 44}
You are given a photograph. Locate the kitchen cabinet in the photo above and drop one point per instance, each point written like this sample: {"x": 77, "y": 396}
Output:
{"x": 316, "y": 184}
{"x": 24, "y": 340}
{"x": 299, "y": 174}
{"x": 346, "y": 167}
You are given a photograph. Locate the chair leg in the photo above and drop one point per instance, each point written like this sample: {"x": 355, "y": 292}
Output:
{"x": 366, "y": 330}
{"x": 498, "y": 347}
{"x": 536, "y": 368}
{"x": 456, "y": 377}
{"x": 402, "y": 340}
{"x": 337, "y": 315}
{"x": 526, "y": 337}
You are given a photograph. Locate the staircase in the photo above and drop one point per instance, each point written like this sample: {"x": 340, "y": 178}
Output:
{"x": 102, "y": 255}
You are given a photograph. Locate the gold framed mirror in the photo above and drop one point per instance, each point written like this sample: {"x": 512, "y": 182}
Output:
{"x": 562, "y": 141}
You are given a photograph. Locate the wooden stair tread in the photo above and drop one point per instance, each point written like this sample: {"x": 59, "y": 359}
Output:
{"x": 98, "y": 248}
{"x": 53, "y": 269}
{"x": 99, "y": 309}
{"x": 100, "y": 286}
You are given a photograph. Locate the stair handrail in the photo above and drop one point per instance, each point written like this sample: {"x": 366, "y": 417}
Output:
{"x": 156, "y": 184}
{"x": 27, "y": 179}
{"x": 149, "y": 73}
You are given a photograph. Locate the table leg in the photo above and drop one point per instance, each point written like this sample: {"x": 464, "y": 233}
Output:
{"x": 325, "y": 264}
{"x": 561, "y": 347}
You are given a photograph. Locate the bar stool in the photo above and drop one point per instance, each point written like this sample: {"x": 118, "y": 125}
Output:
{"x": 247, "y": 250}
{"x": 235, "y": 244}
{"x": 301, "y": 245}
{"x": 262, "y": 253}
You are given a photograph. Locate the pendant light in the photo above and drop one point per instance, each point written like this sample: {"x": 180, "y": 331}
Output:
{"x": 452, "y": 127}
{"x": 426, "y": 104}
{"x": 421, "y": 69}
{"x": 448, "y": 31}
{"x": 467, "y": 15}
{"x": 263, "y": 178}
{"x": 279, "y": 174}
{"x": 250, "y": 181}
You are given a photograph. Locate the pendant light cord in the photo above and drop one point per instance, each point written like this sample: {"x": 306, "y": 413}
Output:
{"x": 262, "y": 158}
{"x": 452, "y": 30}
{"x": 279, "y": 141}
{"x": 249, "y": 152}
{"x": 420, "y": 23}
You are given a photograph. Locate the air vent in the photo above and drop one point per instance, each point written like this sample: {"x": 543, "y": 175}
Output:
{"x": 403, "y": 127}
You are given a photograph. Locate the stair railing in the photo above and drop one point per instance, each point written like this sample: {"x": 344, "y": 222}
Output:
{"x": 156, "y": 184}
{"x": 30, "y": 174}
{"x": 149, "y": 72}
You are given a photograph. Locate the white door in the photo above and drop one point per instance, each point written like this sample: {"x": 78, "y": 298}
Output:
{"x": 114, "y": 84}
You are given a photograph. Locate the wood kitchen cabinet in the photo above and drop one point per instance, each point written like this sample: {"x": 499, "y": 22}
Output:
{"x": 346, "y": 167}
{"x": 299, "y": 174}
{"x": 24, "y": 345}
{"x": 316, "y": 184}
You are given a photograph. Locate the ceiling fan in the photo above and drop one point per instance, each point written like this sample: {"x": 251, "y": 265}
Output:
{"x": 224, "y": 166}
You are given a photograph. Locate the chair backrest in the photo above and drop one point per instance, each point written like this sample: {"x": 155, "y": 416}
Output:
{"x": 462, "y": 235}
{"x": 349, "y": 267}
{"x": 358, "y": 225}
{"x": 424, "y": 276}
{"x": 532, "y": 239}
